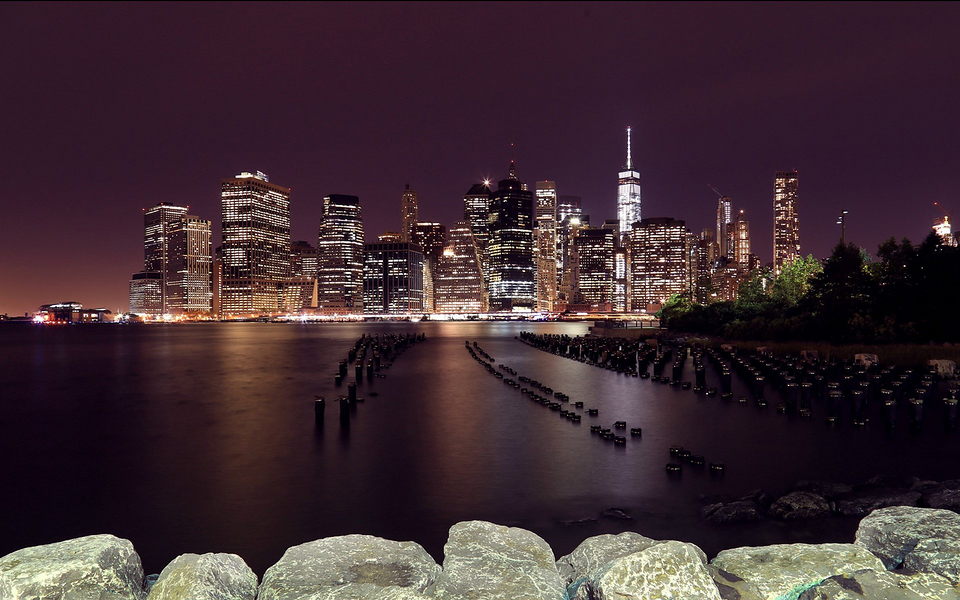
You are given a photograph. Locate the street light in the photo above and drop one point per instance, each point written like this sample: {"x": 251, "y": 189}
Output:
{"x": 842, "y": 222}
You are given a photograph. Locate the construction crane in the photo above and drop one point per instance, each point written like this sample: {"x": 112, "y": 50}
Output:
{"x": 945, "y": 211}
{"x": 716, "y": 191}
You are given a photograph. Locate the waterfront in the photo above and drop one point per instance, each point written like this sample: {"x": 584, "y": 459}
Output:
{"x": 199, "y": 438}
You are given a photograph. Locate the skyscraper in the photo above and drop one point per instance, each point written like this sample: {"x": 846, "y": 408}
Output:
{"x": 942, "y": 228}
{"x": 256, "y": 244}
{"x": 513, "y": 286}
{"x": 628, "y": 195}
{"x": 392, "y": 279}
{"x": 476, "y": 207}
{"x": 546, "y": 234}
{"x": 596, "y": 255}
{"x": 786, "y": 224}
{"x": 725, "y": 227}
{"x": 189, "y": 262}
{"x": 459, "y": 283}
{"x": 158, "y": 224}
{"x": 340, "y": 256}
{"x": 741, "y": 239}
{"x": 300, "y": 290}
{"x": 409, "y": 212}
{"x": 658, "y": 261}
{"x": 569, "y": 211}
{"x": 145, "y": 295}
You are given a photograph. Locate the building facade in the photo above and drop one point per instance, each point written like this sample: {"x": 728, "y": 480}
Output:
{"x": 725, "y": 233}
{"x": 158, "y": 224}
{"x": 189, "y": 267}
{"x": 596, "y": 256}
{"x": 255, "y": 244}
{"x": 513, "y": 286}
{"x": 409, "y": 212}
{"x": 392, "y": 279}
{"x": 546, "y": 246}
{"x": 786, "y": 223}
{"x": 340, "y": 256}
{"x": 628, "y": 194}
{"x": 146, "y": 298}
{"x": 458, "y": 287}
{"x": 741, "y": 242}
{"x": 658, "y": 262}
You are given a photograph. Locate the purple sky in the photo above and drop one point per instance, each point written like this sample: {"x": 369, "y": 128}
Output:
{"x": 111, "y": 108}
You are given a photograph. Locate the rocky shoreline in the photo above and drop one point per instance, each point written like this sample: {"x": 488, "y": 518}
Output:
{"x": 899, "y": 553}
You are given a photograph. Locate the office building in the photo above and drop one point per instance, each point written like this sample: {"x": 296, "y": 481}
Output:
{"x": 546, "y": 246}
{"x": 741, "y": 242}
{"x": 658, "y": 262}
{"x": 458, "y": 287}
{"x": 431, "y": 237}
{"x": 255, "y": 244}
{"x": 340, "y": 256}
{"x": 408, "y": 213}
{"x": 300, "y": 290}
{"x": 476, "y": 208}
{"x": 725, "y": 234}
{"x": 596, "y": 258}
{"x": 512, "y": 268}
{"x": 942, "y": 228}
{"x": 158, "y": 224}
{"x": 628, "y": 194}
{"x": 392, "y": 279}
{"x": 390, "y": 237}
{"x": 146, "y": 298}
{"x": 189, "y": 264}
{"x": 786, "y": 224}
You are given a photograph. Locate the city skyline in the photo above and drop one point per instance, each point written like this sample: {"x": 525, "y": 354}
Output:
{"x": 851, "y": 97}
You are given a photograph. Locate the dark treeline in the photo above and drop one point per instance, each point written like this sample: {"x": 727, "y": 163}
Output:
{"x": 907, "y": 294}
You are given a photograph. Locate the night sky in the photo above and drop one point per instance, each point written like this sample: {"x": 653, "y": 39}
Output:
{"x": 111, "y": 108}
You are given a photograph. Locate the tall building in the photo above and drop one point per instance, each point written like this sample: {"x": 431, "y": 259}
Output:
{"x": 392, "y": 279}
{"x": 942, "y": 228}
{"x": 568, "y": 291}
{"x": 596, "y": 255}
{"x": 628, "y": 194}
{"x": 658, "y": 261}
{"x": 189, "y": 264}
{"x": 476, "y": 208}
{"x": 158, "y": 224}
{"x": 741, "y": 242}
{"x": 513, "y": 286}
{"x": 725, "y": 233}
{"x": 431, "y": 237}
{"x": 300, "y": 290}
{"x": 546, "y": 235}
{"x": 569, "y": 210}
{"x": 409, "y": 212}
{"x": 255, "y": 244}
{"x": 145, "y": 295}
{"x": 340, "y": 256}
{"x": 458, "y": 287}
{"x": 786, "y": 224}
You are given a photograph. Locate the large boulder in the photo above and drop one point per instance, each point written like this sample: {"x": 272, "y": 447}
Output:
{"x": 799, "y": 505}
{"x": 594, "y": 552}
{"x": 919, "y": 540}
{"x": 205, "y": 577}
{"x": 942, "y": 495}
{"x": 484, "y": 561}
{"x": 829, "y": 490}
{"x": 864, "y": 585}
{"x": 100, "y": 567}
{"x": 339, "y": 567}
{"x": 866, "y": 501}
{"x": 671, "y": 569}
{"x": 785, "y": 570}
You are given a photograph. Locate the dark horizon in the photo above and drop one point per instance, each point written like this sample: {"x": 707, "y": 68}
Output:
{"x": 112, "y": 108}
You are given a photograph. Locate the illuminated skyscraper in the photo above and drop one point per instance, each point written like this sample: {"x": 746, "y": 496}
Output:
{"x": 459, "y": 282}
{"x": 546, "y": 235}
{"x": 392, "y": 279}
{"x": 725, "y": 232}
{"x": 256, "y": 244}
{"x": 513, "y": 286}
{"x": 340, "y": 256}
{"x": 409, "y": 212}
{"x": 431, "y": 237}
{"x": 476, "y": 208}
{"x": 942, "y": 227}
{"x": 158, "y": 223}
{"x": 300, "y": 290}
{"x": 628, "y": 195}
{"x": 189, "y": 265}
{"x": 145, "y": 295}
{"x": 786, "y": 224}
{"x": 741, "y": 245}
{"x": 569, "y": 211}
{"x": 596, "y": 250}
{"x": 658, "y": 261}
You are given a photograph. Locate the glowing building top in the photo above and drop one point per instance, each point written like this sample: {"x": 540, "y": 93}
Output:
{"x": 628, "y": 194}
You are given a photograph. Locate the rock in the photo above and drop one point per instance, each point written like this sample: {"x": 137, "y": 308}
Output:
{"x": 799, "y": 505}
{"x": 596, "y": 551}
{"x": 583, "y": 521}
{"x": 866, "y": 501}
{"x": 863, "y": 585}
{"x": 357, "y": 563}
{"x": 102, "y": 567}
{"x": 730, "y": 586}
{"x": 665, "y": 570}
{"x": 827, "y": 489}
{"x": 732, "y": 512}
{"x": 206, "y": 577}
{"x": 484, "y": 561}
{"x": 763, "y": 499}
{"x": 784, "y": 570}
{"x": 942, "y": 495}
{"x": 616, "y": 513}
{"x": 893, "y": 481}
{"x": 920, "y": 540}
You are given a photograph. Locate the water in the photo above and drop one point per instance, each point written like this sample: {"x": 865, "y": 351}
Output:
{"x": 201, "y": 438}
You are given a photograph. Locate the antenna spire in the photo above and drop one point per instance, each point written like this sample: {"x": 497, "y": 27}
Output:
{"x": 629, "y": 160}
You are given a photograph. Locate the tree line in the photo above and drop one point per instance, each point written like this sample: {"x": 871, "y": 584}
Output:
{"x": 907, "y": 294}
